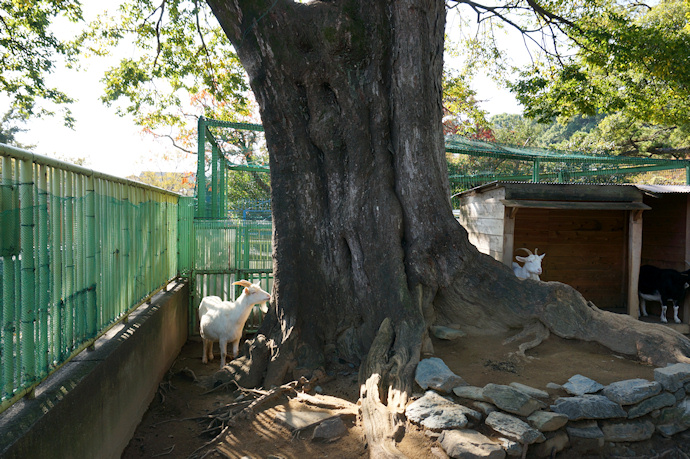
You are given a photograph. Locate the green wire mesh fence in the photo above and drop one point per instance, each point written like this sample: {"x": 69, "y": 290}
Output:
{"x": 78, "y": 251}
{"x": 472, "y": 163}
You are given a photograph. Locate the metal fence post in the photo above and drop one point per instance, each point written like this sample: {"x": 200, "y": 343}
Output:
{"x": 28, "y": 273}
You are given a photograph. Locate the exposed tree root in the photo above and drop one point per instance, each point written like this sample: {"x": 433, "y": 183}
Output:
{"x": 387, "y": 374}
{"x": 537, "y": 329}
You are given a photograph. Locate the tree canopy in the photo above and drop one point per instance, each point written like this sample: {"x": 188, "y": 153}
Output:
{"x": 29, "y": 51}
{"x": 628, "y": 62}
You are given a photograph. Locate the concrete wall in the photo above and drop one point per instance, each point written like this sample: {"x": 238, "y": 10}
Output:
{"x": 91, "y": 406}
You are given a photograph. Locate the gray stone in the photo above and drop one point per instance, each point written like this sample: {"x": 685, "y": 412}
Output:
{"x": 329, "y": 430}
{"x": 484, "y": 407}
{"x": 512, "y": 400}
{"x": 585, "y": 429}
{"x": 547, "y": 421}
{"x": 468, "y": 444}
{"x": 447, "y": 333}
{"x": 513, "y": 428}
{"x": 581, "y": 385}
{"x": 512, "y": 448}
{"x": 588, "y": 407}
{"x": 647, "y": 406}
{"x": 680, "y": 394}
{"x": 554, "y": 386}
{"x": 670, "y": 415}
{"x": 673, "y": 377}
{"x": 585, "y": 436}
{"x": 437, "y": 413}
{"x": 555, "y": 443}
{"x": 618, "y": 431}
{"x": 433, "y": 373}
{"x": 471, "y": 392}
{"x": 669, "y": 430}
{"x": 531, "y": 391}
{"x": 631, "y": 391}
{"x": 674, "y": 419}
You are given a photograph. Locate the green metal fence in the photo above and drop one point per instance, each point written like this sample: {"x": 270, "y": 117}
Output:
{"x": 78, "y": 251}
{"x": 231, "y": 233}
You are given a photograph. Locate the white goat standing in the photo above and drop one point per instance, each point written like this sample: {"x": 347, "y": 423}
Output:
{"x": 223, "y": 321}
{"x": 532, "y": 265}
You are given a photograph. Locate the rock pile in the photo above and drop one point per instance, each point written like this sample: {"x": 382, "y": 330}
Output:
{"x": 498, "y": 421}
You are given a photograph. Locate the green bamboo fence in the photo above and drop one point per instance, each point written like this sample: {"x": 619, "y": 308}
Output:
{"x": 78, "y": 251}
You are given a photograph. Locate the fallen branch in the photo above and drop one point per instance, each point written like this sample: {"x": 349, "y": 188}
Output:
{"x": 228, "y": 419}
{"x": 165, "y": 453}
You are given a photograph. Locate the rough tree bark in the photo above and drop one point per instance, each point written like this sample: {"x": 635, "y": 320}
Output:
{"x": 367, "y": 252}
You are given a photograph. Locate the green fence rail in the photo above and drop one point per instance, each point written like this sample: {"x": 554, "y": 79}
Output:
{"x": 78, "y": 251}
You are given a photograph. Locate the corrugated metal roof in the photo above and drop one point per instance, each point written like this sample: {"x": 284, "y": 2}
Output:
{"x": 682, "y": 189}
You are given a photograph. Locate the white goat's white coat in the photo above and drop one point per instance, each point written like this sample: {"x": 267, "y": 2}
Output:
{"x": 531, "y": 268}
{"x": 223, "y": 321}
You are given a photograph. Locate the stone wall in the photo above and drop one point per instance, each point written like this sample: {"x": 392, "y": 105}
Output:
{"x": 496, "y": 421}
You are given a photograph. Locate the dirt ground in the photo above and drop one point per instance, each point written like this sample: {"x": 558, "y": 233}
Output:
{"x": 175, "y": 424}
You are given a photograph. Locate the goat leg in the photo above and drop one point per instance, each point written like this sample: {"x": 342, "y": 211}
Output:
{"x": 223, "y": 352}
{"x": 203, "y": 351}
{"x": 643, "y": 307}
{"x": 676, "y": 319}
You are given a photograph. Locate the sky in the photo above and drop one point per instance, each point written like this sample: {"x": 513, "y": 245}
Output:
{"x": 115, "y": 145}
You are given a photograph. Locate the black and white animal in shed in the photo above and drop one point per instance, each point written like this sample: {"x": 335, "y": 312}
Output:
{"x": 662, "y": 285}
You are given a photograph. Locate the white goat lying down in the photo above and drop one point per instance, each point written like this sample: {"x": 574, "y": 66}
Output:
{"x": 223, "y": 321}
{"x": 532, "y": 265}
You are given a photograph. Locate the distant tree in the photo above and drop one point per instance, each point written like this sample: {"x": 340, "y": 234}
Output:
{"x": 9, "y": 128}
{"x": 461, "y": 112}
{"x": 29, "y": 51}
{"x": 630, "y": 65}
{"x": 178, "y": 182}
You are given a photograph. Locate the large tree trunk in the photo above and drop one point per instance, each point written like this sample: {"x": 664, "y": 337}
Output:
{"x": 365, "y": 242}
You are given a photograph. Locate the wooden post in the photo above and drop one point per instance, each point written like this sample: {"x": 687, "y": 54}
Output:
{"x": 509, "y": 235}
{"x": 685, "y": 312}
{"x": 634, "y": 253}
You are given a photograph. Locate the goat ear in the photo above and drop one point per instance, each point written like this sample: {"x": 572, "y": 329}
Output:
{"x": 246, "y": 291}
{"x": 519, "y": 258}
{"x": 541, "y": 257}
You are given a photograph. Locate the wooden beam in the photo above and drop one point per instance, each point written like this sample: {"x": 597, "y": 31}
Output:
{"x": 634, "y": 253}
{"x": 685, "y": 313}
{"x": 576, "y": 205}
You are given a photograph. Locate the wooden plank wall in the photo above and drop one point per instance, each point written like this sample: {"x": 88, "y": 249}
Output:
{"x": 482, "y": 217}
{"x": 584, "y": 249}
{"x": 663, "y": 232}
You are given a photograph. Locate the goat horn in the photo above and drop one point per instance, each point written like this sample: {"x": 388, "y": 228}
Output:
{"x": 536, "y": 251}
{"x": 526, "y": 250}
{"x": 243, "y": 283}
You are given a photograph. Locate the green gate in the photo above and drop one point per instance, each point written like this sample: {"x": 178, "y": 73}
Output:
{"x": 225, "y": 251}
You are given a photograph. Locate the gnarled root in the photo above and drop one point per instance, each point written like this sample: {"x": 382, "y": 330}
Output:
{"x": 386, "y": 374}
{"x": 537, "y": 329}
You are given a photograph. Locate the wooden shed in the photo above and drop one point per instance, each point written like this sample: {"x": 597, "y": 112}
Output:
{"x": 591, "y": 234}
{"x": 665, "y": 235}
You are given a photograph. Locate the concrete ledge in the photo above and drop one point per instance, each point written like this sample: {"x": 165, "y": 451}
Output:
{"x": 91, "y": 406}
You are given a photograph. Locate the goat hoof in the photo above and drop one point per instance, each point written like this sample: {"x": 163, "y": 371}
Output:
{"x": 664, "y": 321}
{"x": 677, "y": 321}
